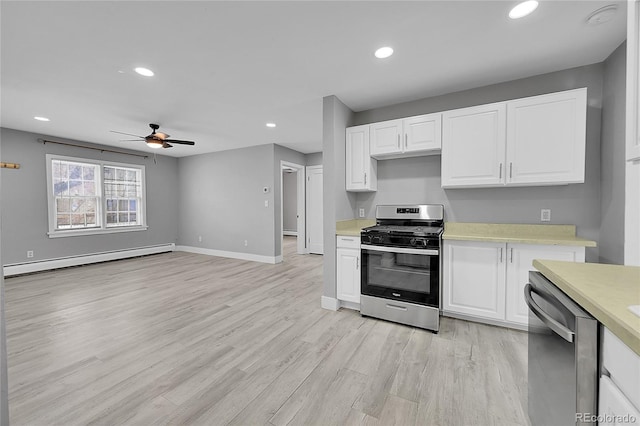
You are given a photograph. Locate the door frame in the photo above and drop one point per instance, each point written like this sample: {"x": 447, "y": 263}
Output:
{"x": 301, "y": 247}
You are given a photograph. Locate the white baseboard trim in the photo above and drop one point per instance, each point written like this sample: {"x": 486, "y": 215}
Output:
{"x": 231, "y": 254}
{"x": 350, "y": 305}
{"x": 85, "y": 259}
{"x": 499, "y": 323}
{"x": 292, "y": 233}
{"x": 329, "y": 303}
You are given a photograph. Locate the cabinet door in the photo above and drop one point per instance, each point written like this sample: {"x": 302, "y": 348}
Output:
{"x": 348, "y": 274}
{"x": 474, "y": 279}
{"x": 546, "y": 139}
{"x": 473, "y": 146}
{"x": 360, "y": 169}
{"x": 633, "y": 81}
{"x": 613, "y": 406}
{"x": 422, "y": 133}
{"x": 386, "y": 137}
{"x": 519, "y": 262}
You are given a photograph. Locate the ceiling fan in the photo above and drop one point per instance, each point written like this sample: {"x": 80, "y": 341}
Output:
{"x": 157, "y": 139}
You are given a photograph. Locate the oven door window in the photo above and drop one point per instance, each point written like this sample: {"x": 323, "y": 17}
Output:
{"x": 402, "y": 276}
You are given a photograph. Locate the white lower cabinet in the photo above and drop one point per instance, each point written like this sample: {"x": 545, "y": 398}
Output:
{"x": 485, "y": 280}
{"x": 348, "y": 269}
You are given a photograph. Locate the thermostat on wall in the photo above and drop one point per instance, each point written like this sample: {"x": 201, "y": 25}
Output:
{"x": 265, "y": 189}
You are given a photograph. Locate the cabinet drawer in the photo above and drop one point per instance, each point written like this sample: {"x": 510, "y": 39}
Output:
{"x": 348, "y": 242}
{"x": 623, "y": 366}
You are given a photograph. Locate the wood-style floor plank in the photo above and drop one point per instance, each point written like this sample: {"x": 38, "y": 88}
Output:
{"x": 187, "y": 339}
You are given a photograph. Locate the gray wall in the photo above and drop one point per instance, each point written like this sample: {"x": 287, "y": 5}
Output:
{"x": 24, "y": 201}
{"x": 338, "y": 204}
{"x": 613, "y": 158}
{"x": 290, "y": 201}
{"x": 417, "y": 180}
{"x": 221, "y": 199}
{"x": 314, "y": 159}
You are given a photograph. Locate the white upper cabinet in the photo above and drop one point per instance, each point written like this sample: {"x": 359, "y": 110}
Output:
{"x": 361, "y": 169}
{"x": 546, "y": 139}
{"x": 539, "y": 140}
{"x": 473, "y": 148}
{"x": 412, "y": 136}
{"x": 385, "y": 137}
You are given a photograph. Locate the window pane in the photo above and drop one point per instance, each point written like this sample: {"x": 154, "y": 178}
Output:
{"x": 123, "y": 205}
{"x": 132, "y": 205}
{"x": 112, "y": 205}
{"x": 75, "y": 187}
{"x": 75, "y": 171}
{"x": 62, "y": 205}
{"x": 112, "y": 218}
{"x": 88, "y": 173}
{"x": 63, "y": 221}
{"x": 60, "y": 187}
{"x": 123, "y": 217}
{"x": 89, "y": 188}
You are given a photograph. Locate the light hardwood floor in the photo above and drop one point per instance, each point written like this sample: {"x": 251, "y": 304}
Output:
{"x": 182, "y": 338}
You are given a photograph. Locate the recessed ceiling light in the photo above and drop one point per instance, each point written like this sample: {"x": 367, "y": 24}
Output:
{"x": 144, "y": 71}
{"x": 602, "y": 15}
{"x": 384, "y": 52}
{"x": 523, "y": 9}
{"x": 271, "y": 125}
{"x": 41, "y": 118}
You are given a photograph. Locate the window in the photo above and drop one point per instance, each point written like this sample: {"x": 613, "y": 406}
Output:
{"x": 89, "y": 196}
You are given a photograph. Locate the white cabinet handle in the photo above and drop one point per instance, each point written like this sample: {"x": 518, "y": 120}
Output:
{"x": 365, "y": 178}
{"x": 500, "y": 175}
{"x": 500, "y": 254}
{"x": 398, "y": 141}
{"x": 511, "y": 255}
{"x": 406, "y": 141}
{"x": 510, "y": 170}
{"x": 357, "y": 263}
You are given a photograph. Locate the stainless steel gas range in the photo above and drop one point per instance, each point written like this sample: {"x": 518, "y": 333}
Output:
{"x": 401, "y": 265}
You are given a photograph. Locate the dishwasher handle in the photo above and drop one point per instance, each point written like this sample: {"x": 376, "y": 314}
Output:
{"x": 554, "y": 325}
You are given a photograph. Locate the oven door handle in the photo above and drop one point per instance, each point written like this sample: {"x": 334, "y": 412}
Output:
{"x": 554, "y": 325}
{"x": 424, "y": 252}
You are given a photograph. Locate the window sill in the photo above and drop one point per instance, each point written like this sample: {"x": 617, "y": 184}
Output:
{"x": 81, "y": 232}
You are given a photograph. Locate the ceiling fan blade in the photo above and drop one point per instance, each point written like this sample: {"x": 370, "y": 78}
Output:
{"x": 129, "y": 140}
{"x": 166, "y": 145}
{"x": 180, "y": 142}
{"x": 129, "y": 134}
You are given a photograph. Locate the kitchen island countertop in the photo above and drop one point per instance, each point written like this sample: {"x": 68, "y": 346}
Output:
{"x": 605, "y": 291}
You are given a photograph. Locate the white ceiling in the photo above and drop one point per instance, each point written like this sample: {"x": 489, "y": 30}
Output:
{"x": 224, "y": 69}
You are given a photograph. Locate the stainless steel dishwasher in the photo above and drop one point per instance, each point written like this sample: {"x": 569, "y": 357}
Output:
{"x": 563, "y": 356}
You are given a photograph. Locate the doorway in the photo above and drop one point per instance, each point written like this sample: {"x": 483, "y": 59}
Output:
{"x": 292, "y": 204}
{"x": 314, "y": 210}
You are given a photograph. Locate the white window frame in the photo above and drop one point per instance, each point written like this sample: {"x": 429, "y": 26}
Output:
{"x": 103, "y": 229}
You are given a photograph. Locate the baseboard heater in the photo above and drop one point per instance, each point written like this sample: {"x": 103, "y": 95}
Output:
{"x": 85, "y": 259}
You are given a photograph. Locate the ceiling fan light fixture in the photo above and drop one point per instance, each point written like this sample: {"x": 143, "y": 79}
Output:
{"x": 523, "y": 9}
{"x": 271, "y": 125}
{"x": 155, "y": 144}
{"x": 144, "y": 71}
{"x": 41, "y": 118}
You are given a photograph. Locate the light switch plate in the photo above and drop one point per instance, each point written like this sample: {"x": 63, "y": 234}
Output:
{"x": 361, "y": 212}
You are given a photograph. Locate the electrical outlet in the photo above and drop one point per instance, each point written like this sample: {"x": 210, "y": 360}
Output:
{"x": 545, "y": 215}
{"x": 199, "y": 238}
{"x": 361, "y": 212}
{"x": 29, "y": 253}
{"x": 246, "y": 243}
{"x": 266, "y": 203}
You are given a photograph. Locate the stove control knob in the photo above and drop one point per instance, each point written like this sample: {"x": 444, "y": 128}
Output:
{"x": 365, "y": 238}
{"x": 418, "y": 242}
{"x": 377, "y": 239}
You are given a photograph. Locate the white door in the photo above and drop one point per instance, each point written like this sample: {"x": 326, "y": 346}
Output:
{"x": 314, "y": 209}
{"x": 546, "y": 137}
{"x": 473, "y": 146}
{"x": 474, "y": 276}
{"x": 519, "y": 262}
{"x": 385, "y": 137}
{"x": 348, "y": 274}
{"x": 422, "y": 133}
{"x": 357, "y": 145}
